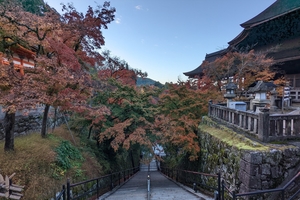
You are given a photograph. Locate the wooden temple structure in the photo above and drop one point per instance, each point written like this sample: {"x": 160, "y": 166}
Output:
{"x": 276, "y": 26}
{"x": 22, "y": 57}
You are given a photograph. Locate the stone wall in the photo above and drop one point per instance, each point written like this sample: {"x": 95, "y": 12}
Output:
{"x": 29, "y": 123}
{"x": 245, "y": 165}
{"x": 24, "y": 125}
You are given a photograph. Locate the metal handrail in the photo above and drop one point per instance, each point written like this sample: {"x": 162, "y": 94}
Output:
{"x": 115, "y": 177}
{"x": 62, "y": 194}
{"x": 282, "y": 190}
{"x": 170, "y": 173}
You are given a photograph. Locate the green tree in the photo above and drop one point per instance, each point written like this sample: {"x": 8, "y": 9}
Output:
{"x": 132, "y": 115}
{"x": 37, "y": 7}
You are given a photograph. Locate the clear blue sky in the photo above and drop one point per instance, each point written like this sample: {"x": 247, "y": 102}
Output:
{"x": 168, "y": 37}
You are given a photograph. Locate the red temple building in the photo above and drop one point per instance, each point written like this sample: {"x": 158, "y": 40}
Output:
{"x": 22, "y": 57}
{"x": 278, "y": 25}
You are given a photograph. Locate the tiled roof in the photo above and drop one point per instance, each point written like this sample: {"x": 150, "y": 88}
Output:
{"x": 278, "y": 8}
{"x": 195, "y": 72}
{"x": 210, "y": 58}
{"x": 261, "y": 86}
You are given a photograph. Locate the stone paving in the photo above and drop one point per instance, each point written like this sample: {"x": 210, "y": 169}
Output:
{"x": 161, "y": 187}
{"x": 134, "y": 189}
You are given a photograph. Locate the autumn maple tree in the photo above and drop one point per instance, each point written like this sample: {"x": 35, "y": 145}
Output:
{"x": 244, "y": 67}
{"x": 132, "y": 114}
{"x": 114, "y": 67}
{"x": 181, "y": 109}
{"x": 64, "y": 47}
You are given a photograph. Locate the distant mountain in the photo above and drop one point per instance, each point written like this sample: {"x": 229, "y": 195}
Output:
{"x": 147, "y": 81}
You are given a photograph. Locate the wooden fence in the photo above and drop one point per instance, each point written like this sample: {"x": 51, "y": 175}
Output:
{"x": 8, "y": 189}
{"x": 263, "y": 126}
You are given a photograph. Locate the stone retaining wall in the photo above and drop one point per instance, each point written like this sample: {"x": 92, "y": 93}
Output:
{"x": 24, "y": 125}
{"x": 247, "y": 169}
{"x": 30, "y": 123}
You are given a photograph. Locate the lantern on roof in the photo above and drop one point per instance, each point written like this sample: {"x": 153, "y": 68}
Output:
{"x": 260, "y": 90}
{"x": 230, "y": 92}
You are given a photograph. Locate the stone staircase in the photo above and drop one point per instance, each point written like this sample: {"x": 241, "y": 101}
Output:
{"x": 152, "y": 166}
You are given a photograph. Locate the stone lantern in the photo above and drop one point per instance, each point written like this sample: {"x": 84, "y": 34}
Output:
{"x": 230, "y": 92}
{"x": 260, "y": 90}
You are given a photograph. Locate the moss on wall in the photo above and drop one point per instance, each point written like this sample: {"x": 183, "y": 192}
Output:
{"x": 244, "y": 164}
{"x": 230, "y": 137}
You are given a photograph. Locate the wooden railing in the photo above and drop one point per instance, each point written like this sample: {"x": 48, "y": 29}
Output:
{"x": 262, "y": 126}
{"x": 244, "y": 120}
{"x": 295, "y": 94}
{"x": 284, "y": 127}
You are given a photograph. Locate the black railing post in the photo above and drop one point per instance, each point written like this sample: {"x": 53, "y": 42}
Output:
{"x": 64, "y": 193}
{"x": 119, "y": 178}
{"x": 177, "y": 175}
{"x": 68, "y": 190}
{"x": 282, "y": 194}
{"x": 233, "y": 195}
{"x": 219, "y": 185}
{"x": 124, "y": 174}
{"x": 111, "y": 181}
{"x": 222, "y": 190}
{"x": 97, "y": 187}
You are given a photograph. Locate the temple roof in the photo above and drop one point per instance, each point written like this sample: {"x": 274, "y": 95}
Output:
{"x": 209, "y": 57}
{"x": 277, "y": 9}
{"x": 260, "y": 86}
{"x": 213, "y": 56}
{"x": 269, "y": 28}
{"x": 195, "y": 72}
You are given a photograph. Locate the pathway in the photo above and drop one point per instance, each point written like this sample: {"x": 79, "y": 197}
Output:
{"x": 161, "y": 187}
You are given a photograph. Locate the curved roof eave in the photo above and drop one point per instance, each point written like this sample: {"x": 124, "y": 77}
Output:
{"x": 198, "y": 70}
{"x": 277, "y": 9}
{"x": 239, "y": 38}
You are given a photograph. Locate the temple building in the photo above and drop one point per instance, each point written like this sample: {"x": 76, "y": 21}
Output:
{"x": 277, "y": 26}
{"x": 22, "y": 57}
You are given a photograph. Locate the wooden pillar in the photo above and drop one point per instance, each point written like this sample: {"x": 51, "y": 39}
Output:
{"x": 263, "y": 126}
{"x": 209, "y": 108}
{"x": 241, "y": 120}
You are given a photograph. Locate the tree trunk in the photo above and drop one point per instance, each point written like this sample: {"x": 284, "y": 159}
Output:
{"x": 132, "y": 159}
{"x": 9, "y": 128}
{"x": 90, "y": 131}
{"x": 44, "y": 122}
{"x": 54, "y": 120}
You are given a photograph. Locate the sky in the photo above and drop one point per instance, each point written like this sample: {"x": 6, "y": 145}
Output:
{"x": 166, "y": 38}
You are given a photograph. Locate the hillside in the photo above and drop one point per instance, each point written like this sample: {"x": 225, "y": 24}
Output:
{"x": 147, "y": 81}
{"x": 42, "y": 165}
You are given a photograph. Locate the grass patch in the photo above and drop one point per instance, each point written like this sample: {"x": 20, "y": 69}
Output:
{"x": 233, "y": 139}
{"x": 230, "y": 137}
{"x": 43, "y": 165}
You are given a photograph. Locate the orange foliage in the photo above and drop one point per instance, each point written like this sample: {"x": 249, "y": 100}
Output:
{"x": 244, "y": 67}
{"x": 127, "y": 77}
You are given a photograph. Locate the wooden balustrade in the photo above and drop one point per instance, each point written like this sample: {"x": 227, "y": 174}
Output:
{"x": 262, "y": 126}
{"x": 284, "y": 127}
